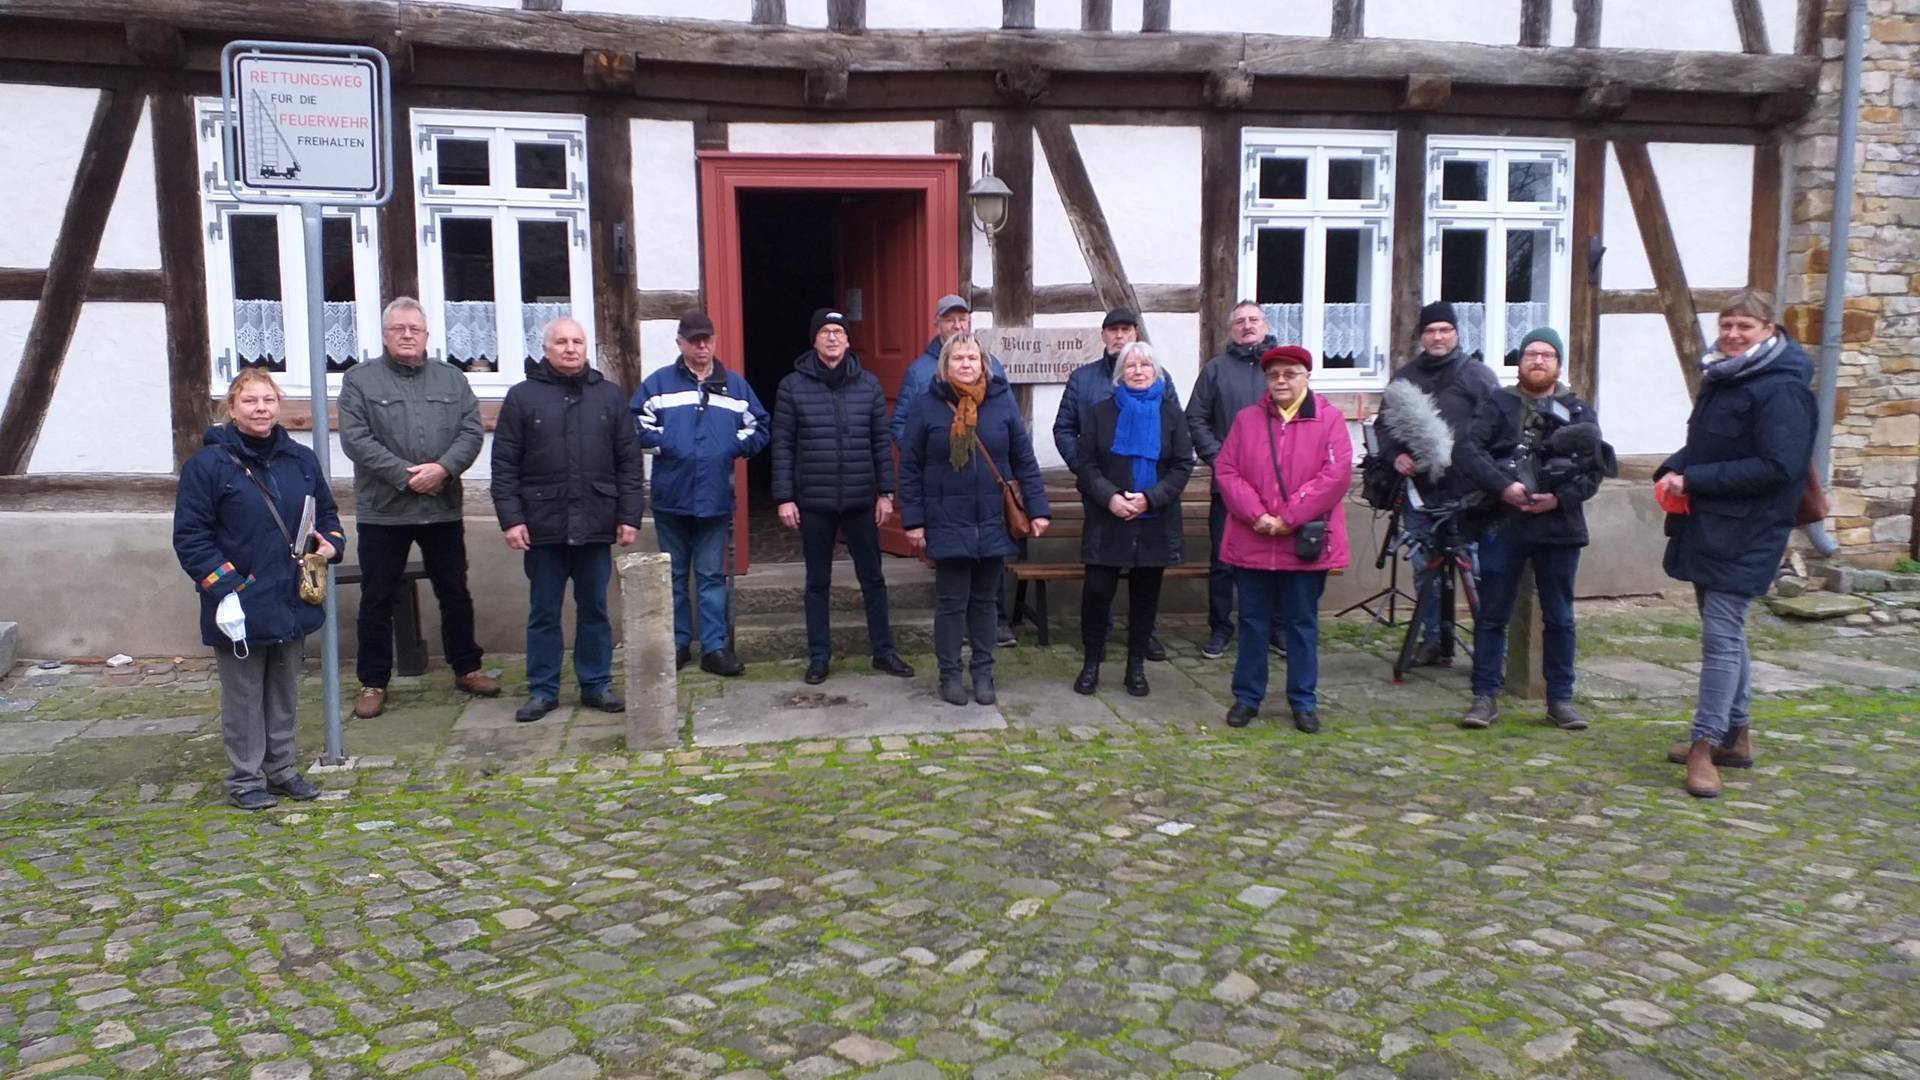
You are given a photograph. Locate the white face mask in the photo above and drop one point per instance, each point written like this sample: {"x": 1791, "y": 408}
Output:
{"x": 232, "y": 622}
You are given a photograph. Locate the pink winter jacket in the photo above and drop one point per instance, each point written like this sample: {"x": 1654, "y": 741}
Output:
{"x": 1316, "y": 455}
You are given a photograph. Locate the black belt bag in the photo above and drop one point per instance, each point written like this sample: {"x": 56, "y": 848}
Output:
{"x": 1309, "y": 537}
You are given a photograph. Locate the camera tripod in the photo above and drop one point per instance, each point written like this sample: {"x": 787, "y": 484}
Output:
{"x": 1448, "y": 571}
{"x": 1393, "y": 593}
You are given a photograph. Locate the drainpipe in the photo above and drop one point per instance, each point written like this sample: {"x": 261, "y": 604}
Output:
{"x": 1833, "y": 309}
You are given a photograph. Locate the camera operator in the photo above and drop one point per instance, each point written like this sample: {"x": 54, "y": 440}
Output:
{"x": 1454, "y": 384}
{"x": 1536, "y": 448}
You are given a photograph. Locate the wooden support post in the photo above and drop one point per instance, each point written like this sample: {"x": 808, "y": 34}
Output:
{"x": 1089, "y": 222}
{"x": 1349, "y": 19}
{"x": 1096, "y": 14}
{"x": 1753, "y": 26}
{"x": 610, "y": 210}
{"x": 96, "y": 180}
{"x": 1219, "y": 229}
{"x": 1807, "y": 31}
{"x": 183, "y": 273}
{"x": 953, "y": 135}
{"x": 1409, "y": 232}
{"x": 1663, "y": 257}
{"x": 1589, "y": 208}
{"x": 848, "y": 16}
{"x": 1013, "y": 244}
{"x": 1525, "y": 631}
{"x": 399, "y": 251}
{"x": 1016, "y": 14}
{"x": 1586, "y": 24}
{"x": 1763, "y": 236}
{"x": 1536, "y": 23}
{"x": 1156, "y": 16}
{"x": 770, "y": 12}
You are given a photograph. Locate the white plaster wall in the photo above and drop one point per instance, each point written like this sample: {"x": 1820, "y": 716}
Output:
{"x": 1056, "y": 251}
{"x": 1056, "y": 14}
{"x": 1312, "y": 18}
{"x": 659, "y": 349}
{"x": 1490, "y": 22}
{"x": 110, "y": 409}
{"x": 46, "y": 127}
{"x": 883, "y": 137}
{"x": 1643, "y": 399}
{"x": 1782, "y": 19}
{"x": 1560, "y": 33}
{"x": 132, "y": 237}
{"x": 741, "y": 10}
{"x": 927, "y": 15}
{"x": 982, "y": 249}
{"x": 1148, "y": 182}
{"x": 1708, "y": 192}
{"x": 666, "y": 206}
{"x": 806, "y": 12}
{"x": 1702, "y": 25}
{"x": 1126, "y": 15}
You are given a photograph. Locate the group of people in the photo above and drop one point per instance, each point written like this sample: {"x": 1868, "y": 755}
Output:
{"x": 568, "y": 484}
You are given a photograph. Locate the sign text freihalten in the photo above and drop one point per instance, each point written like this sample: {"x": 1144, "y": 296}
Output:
{"x": 308, "y": 123}
{"x": 1042, "y": 354}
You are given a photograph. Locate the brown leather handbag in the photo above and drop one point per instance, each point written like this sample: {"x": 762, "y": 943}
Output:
{"x": 1012, "y": 503}
{"x": 1813, "y": 502}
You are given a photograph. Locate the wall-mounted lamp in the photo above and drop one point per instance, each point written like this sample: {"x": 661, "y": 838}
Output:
{"x": 990, "y": 198}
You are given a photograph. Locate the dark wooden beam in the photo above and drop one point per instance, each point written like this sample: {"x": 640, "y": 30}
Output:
{"x": 1807, "y": 29}
{"x": 664, "y": 303}
{"x": 399, "y": 255}
{"x": 826, "y": 87}
{"x": 1156, "y": 16}
{"x": 610, "y": 212}
{"x": 1075, "y": 299}
{"x": 952, "y": 135}
{"x": 1763, "y": 233}
{"x": 1603, "y": 102}
{"x": 1426, "y": 92}
{"x": 120, "y": 286}
{"x": 1409, "y": 233}
{"x": 608, "y": 71}
{"x": 1753, "y": 26}
{"x": 1230, "y": 88}
{"x": 847, "y": 16}
{"x": 1582, "y": 363}
{"x": 96, "y": 181}
{"x": 156, "y": 43}
{"x": 1652, "y": 301}
{"x": 183, "y": 271}
{"x": 1013, "y": 245}
{"x": 1663, "y": 257}
{"x": 1096, "y": 14}
{"x": 1219, "y": 229}
{"x": 770, "y": 12}
{"x": 1536, "y": 23}
{"x": 1016, "y": 14}
{"x": 1349, "y": 19}
{"x": 1586, "y": 24}
{"x": 540, "y": 5}
{"x": 710, "y": 135}
{"x": 1084, "y": 213}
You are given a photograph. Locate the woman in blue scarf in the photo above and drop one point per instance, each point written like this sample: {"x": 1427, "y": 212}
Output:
{"x": 1133, "y": 463}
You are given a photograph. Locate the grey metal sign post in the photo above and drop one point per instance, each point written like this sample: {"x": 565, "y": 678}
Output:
{"x": 310, "y": 126}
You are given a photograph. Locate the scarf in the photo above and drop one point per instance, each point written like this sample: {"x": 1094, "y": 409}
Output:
{"x": 961, "y": 436}
{"x": 1288, "y": 412}
{"x": 1720, "y": 367}
{"x": 1136, "y": 431}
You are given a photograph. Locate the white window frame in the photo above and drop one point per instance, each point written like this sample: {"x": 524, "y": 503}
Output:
{"x": 1498, "y": 215}
{"x": 217, "y": 206}
{"x": 506, "y": 205}
{"x": 1316, "y": 214}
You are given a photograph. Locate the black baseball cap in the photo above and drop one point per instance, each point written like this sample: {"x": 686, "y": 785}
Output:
{"x": 694, "y": 324}
{"x": 1120, "y": 317}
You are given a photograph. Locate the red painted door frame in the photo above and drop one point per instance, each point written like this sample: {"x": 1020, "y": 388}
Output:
{"x": 724, "y": 175}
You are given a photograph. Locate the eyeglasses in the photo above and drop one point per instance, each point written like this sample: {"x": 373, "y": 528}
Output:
{"x": 1540, "y": 354}
{"x": 833, "y": 331}
{"x": 1291, "y": 376}
{"x": 407, "y": 331}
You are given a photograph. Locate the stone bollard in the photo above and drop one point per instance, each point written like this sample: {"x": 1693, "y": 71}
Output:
{"x": 653, "y": 687}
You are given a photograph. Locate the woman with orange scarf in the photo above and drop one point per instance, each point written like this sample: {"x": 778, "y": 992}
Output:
{"x": 962, "y": 437}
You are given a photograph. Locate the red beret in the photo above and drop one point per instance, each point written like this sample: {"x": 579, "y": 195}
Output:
{"x": 1286, "y": 354}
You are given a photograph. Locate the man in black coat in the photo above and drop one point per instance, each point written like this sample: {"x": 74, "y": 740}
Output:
{"x": 1457, "y": 384}
{"x": 1741, "y": 475}
{"x": 1519, "y": 450}
{"x": 567, "y": 484}
{"x": 1228, "y": 383}
{"x": 833, "y": 479}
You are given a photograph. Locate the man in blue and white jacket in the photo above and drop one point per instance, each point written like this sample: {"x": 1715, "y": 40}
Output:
{"x": 699, "y": 417}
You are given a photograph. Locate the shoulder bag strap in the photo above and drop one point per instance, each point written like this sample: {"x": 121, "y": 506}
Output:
{"x": 267, "y": 496}
{"x": 1273, "y": 451}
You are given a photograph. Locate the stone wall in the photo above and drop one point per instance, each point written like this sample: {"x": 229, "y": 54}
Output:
{"x": 1876, "y": 444}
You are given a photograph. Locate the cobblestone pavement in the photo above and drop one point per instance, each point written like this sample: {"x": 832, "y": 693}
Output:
{"x": 1162, "y": 897}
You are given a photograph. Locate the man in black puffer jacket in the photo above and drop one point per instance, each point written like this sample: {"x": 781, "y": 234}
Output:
{"x": 567, "y": 484}
{"x": 833, "y": 478}
{"x": 1228, "y": 383}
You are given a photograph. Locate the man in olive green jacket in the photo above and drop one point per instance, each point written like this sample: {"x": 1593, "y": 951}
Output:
{"x": 410, "y": 426}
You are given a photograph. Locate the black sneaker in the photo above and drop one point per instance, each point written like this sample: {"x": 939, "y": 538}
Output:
{"x": 604, "y": 702}
{"x": 253, "y": 799}
{"x": 893, "y": 665}
{"x": 1003, "y": 636}
{"x": 721, "y": 661}
{"x": 816, "y": 672}
{"x": 1240, "y": 715}
{"x": 1156, "y": 652}
{"x": 295, "y": 787}
{"x": 1428, "y": 655}
{"x": 1277, "y": 647}
{"x": 682, "y": 656}
{"x": 1216, "y": 646}
{"x": 534, "y": 709}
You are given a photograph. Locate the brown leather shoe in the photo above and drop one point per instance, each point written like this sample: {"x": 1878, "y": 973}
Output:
{"x": 477, "y": 683}
{"x": 370, "y": 702}
{"x": 1703, "y": 780}
{"x": 1723, "y": 757}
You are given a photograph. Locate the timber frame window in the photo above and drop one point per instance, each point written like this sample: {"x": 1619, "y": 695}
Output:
{"x": 256, "y": 277}
{"x": 501, "y": 206}
{"x": 1316, "y": 245}
{"x": 1499, "y": 217}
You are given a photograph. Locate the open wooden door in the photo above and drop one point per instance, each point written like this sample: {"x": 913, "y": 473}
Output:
{"x": 884, "y": 293}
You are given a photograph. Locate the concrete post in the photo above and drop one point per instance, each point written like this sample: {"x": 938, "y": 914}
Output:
{"x": 653, "y": 687}
{"x": 1524, "y": 644}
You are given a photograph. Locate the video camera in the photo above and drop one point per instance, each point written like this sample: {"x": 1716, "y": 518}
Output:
{"x": 1566, "y": 452}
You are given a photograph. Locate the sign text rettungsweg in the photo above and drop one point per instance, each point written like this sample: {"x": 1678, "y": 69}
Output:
{"x": 308, "y": 123}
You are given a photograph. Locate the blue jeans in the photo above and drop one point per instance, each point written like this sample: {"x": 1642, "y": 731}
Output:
{"x": 1726, "y": 674}
{"x": 1503, "y": 558}
{"x": 1418, "y": 525}
{"x": 1284, "y": 604}
{"x": 549, "y": 568}
{"x": 697, "y": 548}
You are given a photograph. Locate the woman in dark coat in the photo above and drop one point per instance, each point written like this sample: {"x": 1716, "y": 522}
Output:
{"x": 237, "y": 499}
{"x": 1132, "y": 464}
{"x": 958, "y": 434}
{"x": 1741, "y": 475}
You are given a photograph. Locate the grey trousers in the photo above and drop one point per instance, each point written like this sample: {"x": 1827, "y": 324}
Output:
{"x": 1726, "y": 674}
{"x": 256, "y": 712}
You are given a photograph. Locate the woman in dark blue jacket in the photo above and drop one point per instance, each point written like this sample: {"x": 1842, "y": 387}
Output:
{"x": 1741, "y": 473}
{"x": 238, "y": 498}
{"x": 958, "y": 434}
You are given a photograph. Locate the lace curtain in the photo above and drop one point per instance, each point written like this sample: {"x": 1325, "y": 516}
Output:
{"x": 473, "y": 340}
{"x": 1349, "y": 328}
{"x": 1521, "y": 319}
{"x": 260, "y": 333}
{"x": 533, "y": 325}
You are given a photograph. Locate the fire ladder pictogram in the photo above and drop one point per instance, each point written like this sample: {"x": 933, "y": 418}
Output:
{"x": 259, "y": 122}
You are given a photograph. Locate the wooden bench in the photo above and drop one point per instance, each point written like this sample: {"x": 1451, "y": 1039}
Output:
{"x": 1041, "y": 573}
{"x": 409, "y": 643}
